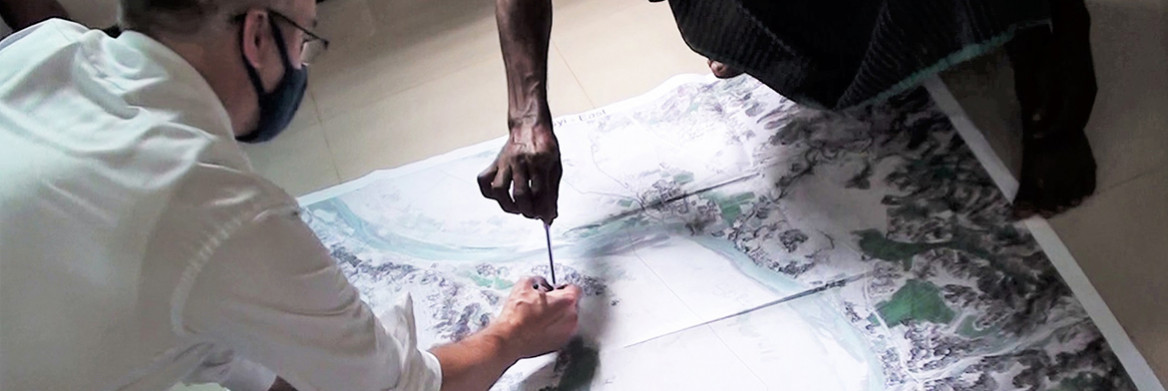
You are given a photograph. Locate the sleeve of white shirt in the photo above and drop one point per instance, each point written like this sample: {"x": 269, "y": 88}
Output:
{"x": 272, "y": 294}
{"x": 231, "y": 372}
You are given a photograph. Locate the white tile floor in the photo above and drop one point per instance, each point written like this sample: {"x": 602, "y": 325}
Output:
{"x": 407, "y": 79}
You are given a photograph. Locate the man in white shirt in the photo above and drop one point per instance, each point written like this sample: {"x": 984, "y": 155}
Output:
{"x": 139, "y": 249}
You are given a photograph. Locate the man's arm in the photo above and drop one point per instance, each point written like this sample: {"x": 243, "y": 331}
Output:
{"x": 525, "y": 28}
{"x": 274, "y": 295}
{"x": 19, "y": 14}
{"x": 533, "y": 322}
{"x": 525, "y": 178}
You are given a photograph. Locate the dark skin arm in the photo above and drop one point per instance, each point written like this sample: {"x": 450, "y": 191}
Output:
{"x": 20, "y": 14}
{"x": 525, "y": 178}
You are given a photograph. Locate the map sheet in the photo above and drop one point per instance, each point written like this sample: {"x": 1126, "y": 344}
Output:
{"x": 707, "y": 197}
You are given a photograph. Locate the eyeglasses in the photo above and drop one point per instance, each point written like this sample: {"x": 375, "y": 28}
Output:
{"x": 312, "y": 46}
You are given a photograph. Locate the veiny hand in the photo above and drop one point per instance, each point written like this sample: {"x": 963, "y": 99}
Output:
{"x": 525, "y": 178}
{"x": 535, "y": 321}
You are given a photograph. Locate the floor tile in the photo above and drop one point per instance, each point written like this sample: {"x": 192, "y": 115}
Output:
{"x": 1118, "y": 238}
{"x": 569, "y": 15}
{"x": 394, "y": 46}
{"x": 626, "y": 53}
{"x": 298, "y": 160}
{"x": 462, "y": 108}
{"x": 1129, "y": 124}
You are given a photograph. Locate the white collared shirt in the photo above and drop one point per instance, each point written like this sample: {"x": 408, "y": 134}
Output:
{"x": 139, "y": 249}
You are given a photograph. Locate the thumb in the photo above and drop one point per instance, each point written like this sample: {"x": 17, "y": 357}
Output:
{"x": 568, "y": 294}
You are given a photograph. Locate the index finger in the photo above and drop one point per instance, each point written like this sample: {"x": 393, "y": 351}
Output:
{"x": 500, "y": 191}
{"x": 522, "y": 192}
{"x": 485, "y": 179}
{"x": 551, "y": 195}
{"x": 539, "y": 193}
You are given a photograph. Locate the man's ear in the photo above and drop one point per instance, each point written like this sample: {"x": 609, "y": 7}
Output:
{"x": 256, "y": 38}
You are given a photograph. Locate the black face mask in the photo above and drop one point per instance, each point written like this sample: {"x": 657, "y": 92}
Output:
{"x": 279, "y": 106}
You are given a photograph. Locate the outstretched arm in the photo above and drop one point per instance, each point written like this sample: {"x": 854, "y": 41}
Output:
{"x": 525, "y": 178}
{"x": 533, "y": 322}
{"x": 274, "y": 296}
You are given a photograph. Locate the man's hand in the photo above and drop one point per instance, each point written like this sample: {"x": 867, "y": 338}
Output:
{"x": 537, "y": 321}
{"x": 525, "y": 177}
{"x": 534, "y": 321}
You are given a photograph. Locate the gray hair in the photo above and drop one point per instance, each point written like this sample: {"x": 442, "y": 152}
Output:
{"x": 179, "y": 17}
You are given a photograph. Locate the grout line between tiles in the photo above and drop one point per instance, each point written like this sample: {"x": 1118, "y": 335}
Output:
{"x": 328, "y": 147}
{"x": 1140, "y": 175}
{"x": 572, "y": 72}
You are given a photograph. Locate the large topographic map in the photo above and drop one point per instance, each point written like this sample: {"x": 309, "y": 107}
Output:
{"x": 705, "y": 198}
